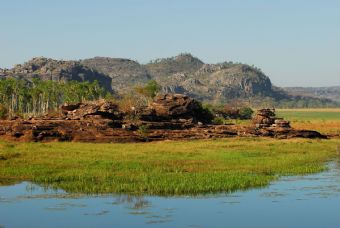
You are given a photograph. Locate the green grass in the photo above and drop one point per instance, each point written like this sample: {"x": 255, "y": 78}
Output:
{"x": 310, "y": 114}
{"x": 163, "y": 168}
{"x": 173, "y": 168}
{"x": 326, "y": 121}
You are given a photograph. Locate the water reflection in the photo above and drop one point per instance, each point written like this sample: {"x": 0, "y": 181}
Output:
{"x": 134, "y": 202}
{"x": 302, "y": 201}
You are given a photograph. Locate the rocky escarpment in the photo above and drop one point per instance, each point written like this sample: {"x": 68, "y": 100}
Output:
{"x": 183, "y": 74}
{"x": 56, "y": 70}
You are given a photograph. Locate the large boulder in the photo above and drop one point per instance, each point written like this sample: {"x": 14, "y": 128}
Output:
{"x": 267, "y": 118}
{"x": 174, "y": 105}
{"x": 178, "y": 106}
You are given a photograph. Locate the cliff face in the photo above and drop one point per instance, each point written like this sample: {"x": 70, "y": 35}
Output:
{"x": 183, "y": 74}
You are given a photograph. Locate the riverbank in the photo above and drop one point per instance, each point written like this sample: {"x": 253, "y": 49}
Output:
{"x": 311, "y": 200}
{"x": 163, "y": 168}
{"x": 173, "y": 167}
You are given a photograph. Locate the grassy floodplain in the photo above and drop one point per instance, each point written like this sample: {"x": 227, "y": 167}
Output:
{"x": 326, "y": 121}
{"x": 173, "y": 168}
{"x": 163, "y": 168}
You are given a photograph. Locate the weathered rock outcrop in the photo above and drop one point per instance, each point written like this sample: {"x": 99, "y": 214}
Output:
{"x": 267, "y": 118}
{"x": 97, "y": 109}
{"x": 171, "y": 117}
{"x": 104, "y": 130}
{"x": 174, "y": 106}
{"x": 178, "y": 108}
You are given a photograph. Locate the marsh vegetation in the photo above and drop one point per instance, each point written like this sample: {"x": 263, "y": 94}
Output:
{"x": 163, "y": 168}
{"x": 167, "y": 167}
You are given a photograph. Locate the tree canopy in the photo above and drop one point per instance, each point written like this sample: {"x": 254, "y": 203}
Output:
{"x": 38, "y": 97}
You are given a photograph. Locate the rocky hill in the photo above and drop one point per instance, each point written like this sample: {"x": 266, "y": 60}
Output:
{"x": 161, "y": 68}
{"x": 183, "y": 74}
{"x": 123, "y": 72}
{"x": 219, "y": 82}
{"x": 56, "y": 70}
{"x": 188, "y": 75}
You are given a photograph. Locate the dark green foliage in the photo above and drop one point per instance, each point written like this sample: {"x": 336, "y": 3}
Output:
{"x": 246, "y": 113}
{"x": 142, "y": 131}
{"x": 205, "y": 115}
{"x": 228, "y": 112}
{"x": 150, "y": 89}
{"x": 3, "y": 112}
{"x": 218, "y": 120}
{"x": 38, "y": 97}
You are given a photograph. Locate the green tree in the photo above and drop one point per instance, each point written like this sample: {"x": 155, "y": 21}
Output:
{"x": 38, "y": 97}
{"x": 150, "y": 89}
{"x": 246, "y": 113}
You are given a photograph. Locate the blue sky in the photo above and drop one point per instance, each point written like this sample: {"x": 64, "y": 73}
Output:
{"x": 296, "y": 43}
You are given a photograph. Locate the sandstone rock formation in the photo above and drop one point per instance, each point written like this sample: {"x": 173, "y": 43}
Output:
{"x": 172, "y": 106}
{"x": 267, "y": 118}
{"x": 103, "y": 130}
{"x": 171, "y": 117}
{"x": 97, "y": 109}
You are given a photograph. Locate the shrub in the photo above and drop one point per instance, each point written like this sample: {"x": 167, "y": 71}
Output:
{"x": 246, "y": 113}
{"x": 132, "y": 103}
{"x": 218, "y": 120}
{"x": 3, "y": 112}
{"x": 203, "y": 113}
{"x": 143, "y": 130}
{"x": 150, "y": 89}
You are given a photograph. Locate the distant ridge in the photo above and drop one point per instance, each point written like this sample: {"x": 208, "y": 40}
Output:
{"x": 332, "y": 92}
{"x": 217, "y": 83}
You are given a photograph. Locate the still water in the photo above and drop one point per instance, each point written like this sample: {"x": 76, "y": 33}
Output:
{"x": 303, "y": 201}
